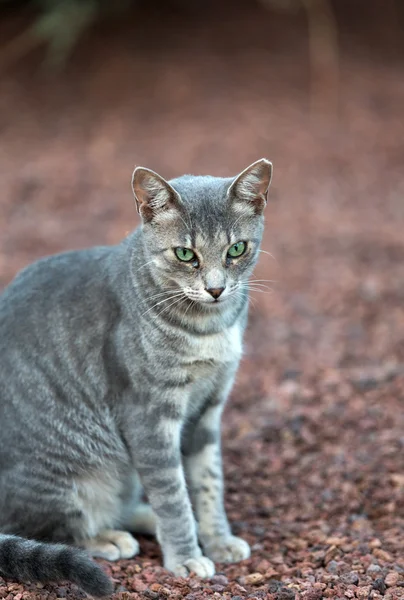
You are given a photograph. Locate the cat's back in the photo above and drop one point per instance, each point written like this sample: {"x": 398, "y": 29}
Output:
{"x": 55, "y": 298}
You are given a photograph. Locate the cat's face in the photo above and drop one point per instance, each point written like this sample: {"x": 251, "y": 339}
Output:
{"x": 202, "y": 234}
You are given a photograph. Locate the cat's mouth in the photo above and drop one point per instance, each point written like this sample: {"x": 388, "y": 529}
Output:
{"x": 207, "y": 301}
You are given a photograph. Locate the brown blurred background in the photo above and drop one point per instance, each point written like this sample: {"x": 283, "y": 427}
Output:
{"x": 198, "y": 86}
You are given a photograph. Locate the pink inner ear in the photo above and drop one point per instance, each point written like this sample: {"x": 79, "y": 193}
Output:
{"x": 254, "y": 182}
{"x": 153, "y": 194}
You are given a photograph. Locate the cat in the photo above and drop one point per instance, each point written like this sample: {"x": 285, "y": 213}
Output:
{"x": 115, "y": 365}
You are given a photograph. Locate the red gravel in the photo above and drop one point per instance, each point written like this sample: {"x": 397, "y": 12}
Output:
{"x": 313, "y": 436}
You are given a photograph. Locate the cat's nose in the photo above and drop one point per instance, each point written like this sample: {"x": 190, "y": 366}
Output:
{"x": 215, "y": 292}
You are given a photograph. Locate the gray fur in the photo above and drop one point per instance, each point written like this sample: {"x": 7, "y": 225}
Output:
{"x": 115, "y": 364}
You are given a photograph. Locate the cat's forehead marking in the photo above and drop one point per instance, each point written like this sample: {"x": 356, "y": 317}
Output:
{"x": 244, "y": 209}
{"x": 205, "y": 238}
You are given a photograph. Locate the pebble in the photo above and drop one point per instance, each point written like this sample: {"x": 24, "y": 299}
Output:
{"x": 392, "y": 578}
{"x": 332, "y": 566}
{"x": 285, "y": 594}
{"x": 220, "y": 579}
{"x": 350, "y": 578}
{"x": 373, "y": 570}
{"x": 382, "y": 554}
{"x": 379, "y": 585}
{"x": 364, "y": 591}
{"x": 252, "y": 579}
{"x": 217, "y": 588}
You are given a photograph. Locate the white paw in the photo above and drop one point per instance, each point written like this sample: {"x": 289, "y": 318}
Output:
{"x": 201, "y": 566}
{"x": 227, "y": 550}
{"x": 125, "y": 542}
{"x": 112, "y": 545}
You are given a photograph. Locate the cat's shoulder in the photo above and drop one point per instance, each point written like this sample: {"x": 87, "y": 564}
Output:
{"x": 60, "y": 278}
{"x": 57, "y": 268}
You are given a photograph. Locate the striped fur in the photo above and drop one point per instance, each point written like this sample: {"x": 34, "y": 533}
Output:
{"x": 115, "y": 364}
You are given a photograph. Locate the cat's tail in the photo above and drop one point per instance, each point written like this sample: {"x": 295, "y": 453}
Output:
{"x": 28, "y": 560}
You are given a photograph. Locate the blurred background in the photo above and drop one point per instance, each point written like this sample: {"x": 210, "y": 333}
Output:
{"x": 91, "y": 88}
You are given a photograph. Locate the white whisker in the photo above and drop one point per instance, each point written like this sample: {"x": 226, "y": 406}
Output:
{"x": 161, "y": 302}
{"x": 269, "y": 254}
{"x": 177, "y": 301}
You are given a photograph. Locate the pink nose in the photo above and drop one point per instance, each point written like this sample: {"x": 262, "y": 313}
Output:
{"x": 215, "y": 292}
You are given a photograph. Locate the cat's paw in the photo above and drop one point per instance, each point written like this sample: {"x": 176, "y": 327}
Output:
{"x": 112, "y": 545}
{"x": 229, "y": 549}
{"x": 201, "y": 566}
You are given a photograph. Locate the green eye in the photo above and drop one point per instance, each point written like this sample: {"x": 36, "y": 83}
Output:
{"x": 184, "y": 254}
{"x": 237, "y": 249}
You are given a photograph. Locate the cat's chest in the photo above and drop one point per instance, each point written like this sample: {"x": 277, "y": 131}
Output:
{"x": 217, "y": 348}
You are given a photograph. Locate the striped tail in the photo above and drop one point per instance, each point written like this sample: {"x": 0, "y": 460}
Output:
{"x": 28, "y": 560}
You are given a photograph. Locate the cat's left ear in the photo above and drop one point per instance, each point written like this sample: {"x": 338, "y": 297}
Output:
{"x": 251, "y": 186}
{"x": 153, "y": 194}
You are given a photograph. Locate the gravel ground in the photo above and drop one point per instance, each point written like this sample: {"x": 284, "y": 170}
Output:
{"x": 314, "y": 432}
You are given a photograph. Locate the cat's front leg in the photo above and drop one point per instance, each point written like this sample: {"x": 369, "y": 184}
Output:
{"x": 203, "y": 461}
{"x": 158, "y": 462}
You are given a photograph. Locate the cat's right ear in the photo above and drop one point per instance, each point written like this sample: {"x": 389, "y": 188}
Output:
{"x": 153, "y": 194}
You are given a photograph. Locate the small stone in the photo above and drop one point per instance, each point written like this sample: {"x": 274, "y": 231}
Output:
{"x": 274, "y": 586}
{"x": 392, "y": 578}
{"x": 236, "y": 598}
{"x": 285, "y": 594}
{"x": 349, "y": 593}
{"x": 137, "y": 585}
{"x": 217, "y": 588}
{"x": 379, "y": 585}
{"x": 363, "y": 591}
{"x": 313, "y": 594}
{"x": 382, "y": 554}
{"x": 219, "y": 579}
{"x": 252, "y": 579}
{"x": 332, "y": 566}
{"x": 350, "y": 578}
{"x": 289, "y": 388}
{"x": 263, "y": 566}
{"x": 373, "y": 570}
{"x": 271, "y": 573}
{"x": 330, "y": 554}
{"x": 160, "y": 589}
{"x": 335, "y": 541}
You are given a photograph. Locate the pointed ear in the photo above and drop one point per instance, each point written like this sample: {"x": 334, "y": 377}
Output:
{"x": 153, "y": 194}
{"x": 251, "y": 186}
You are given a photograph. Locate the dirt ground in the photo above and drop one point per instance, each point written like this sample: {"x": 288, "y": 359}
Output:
{"x": 314, "y": 431}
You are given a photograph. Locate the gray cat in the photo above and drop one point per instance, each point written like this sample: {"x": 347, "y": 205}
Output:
{"x": 115, "y": 365}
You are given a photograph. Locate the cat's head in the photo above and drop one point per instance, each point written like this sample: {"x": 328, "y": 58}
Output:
{"x": 202, "y": 234}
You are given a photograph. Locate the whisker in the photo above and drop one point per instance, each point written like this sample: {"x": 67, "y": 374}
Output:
{"x": 256, "y": 283}
{"x": 192, "y": 303}
{"x": 142, "y": 266}
{"x": 263, "y": 280}
{"x": 269, "y": 254}
{"x": 177, "y": 301}
{"x": 161, "y": 302}
{"x": 239, "y": 294}
{"x": 237, "y": 220}
{"x": 257, "y": 288}
{"x": 253, "y": 284}
{"x": 186, "y": 225}
{"x": 163, "y": 294}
